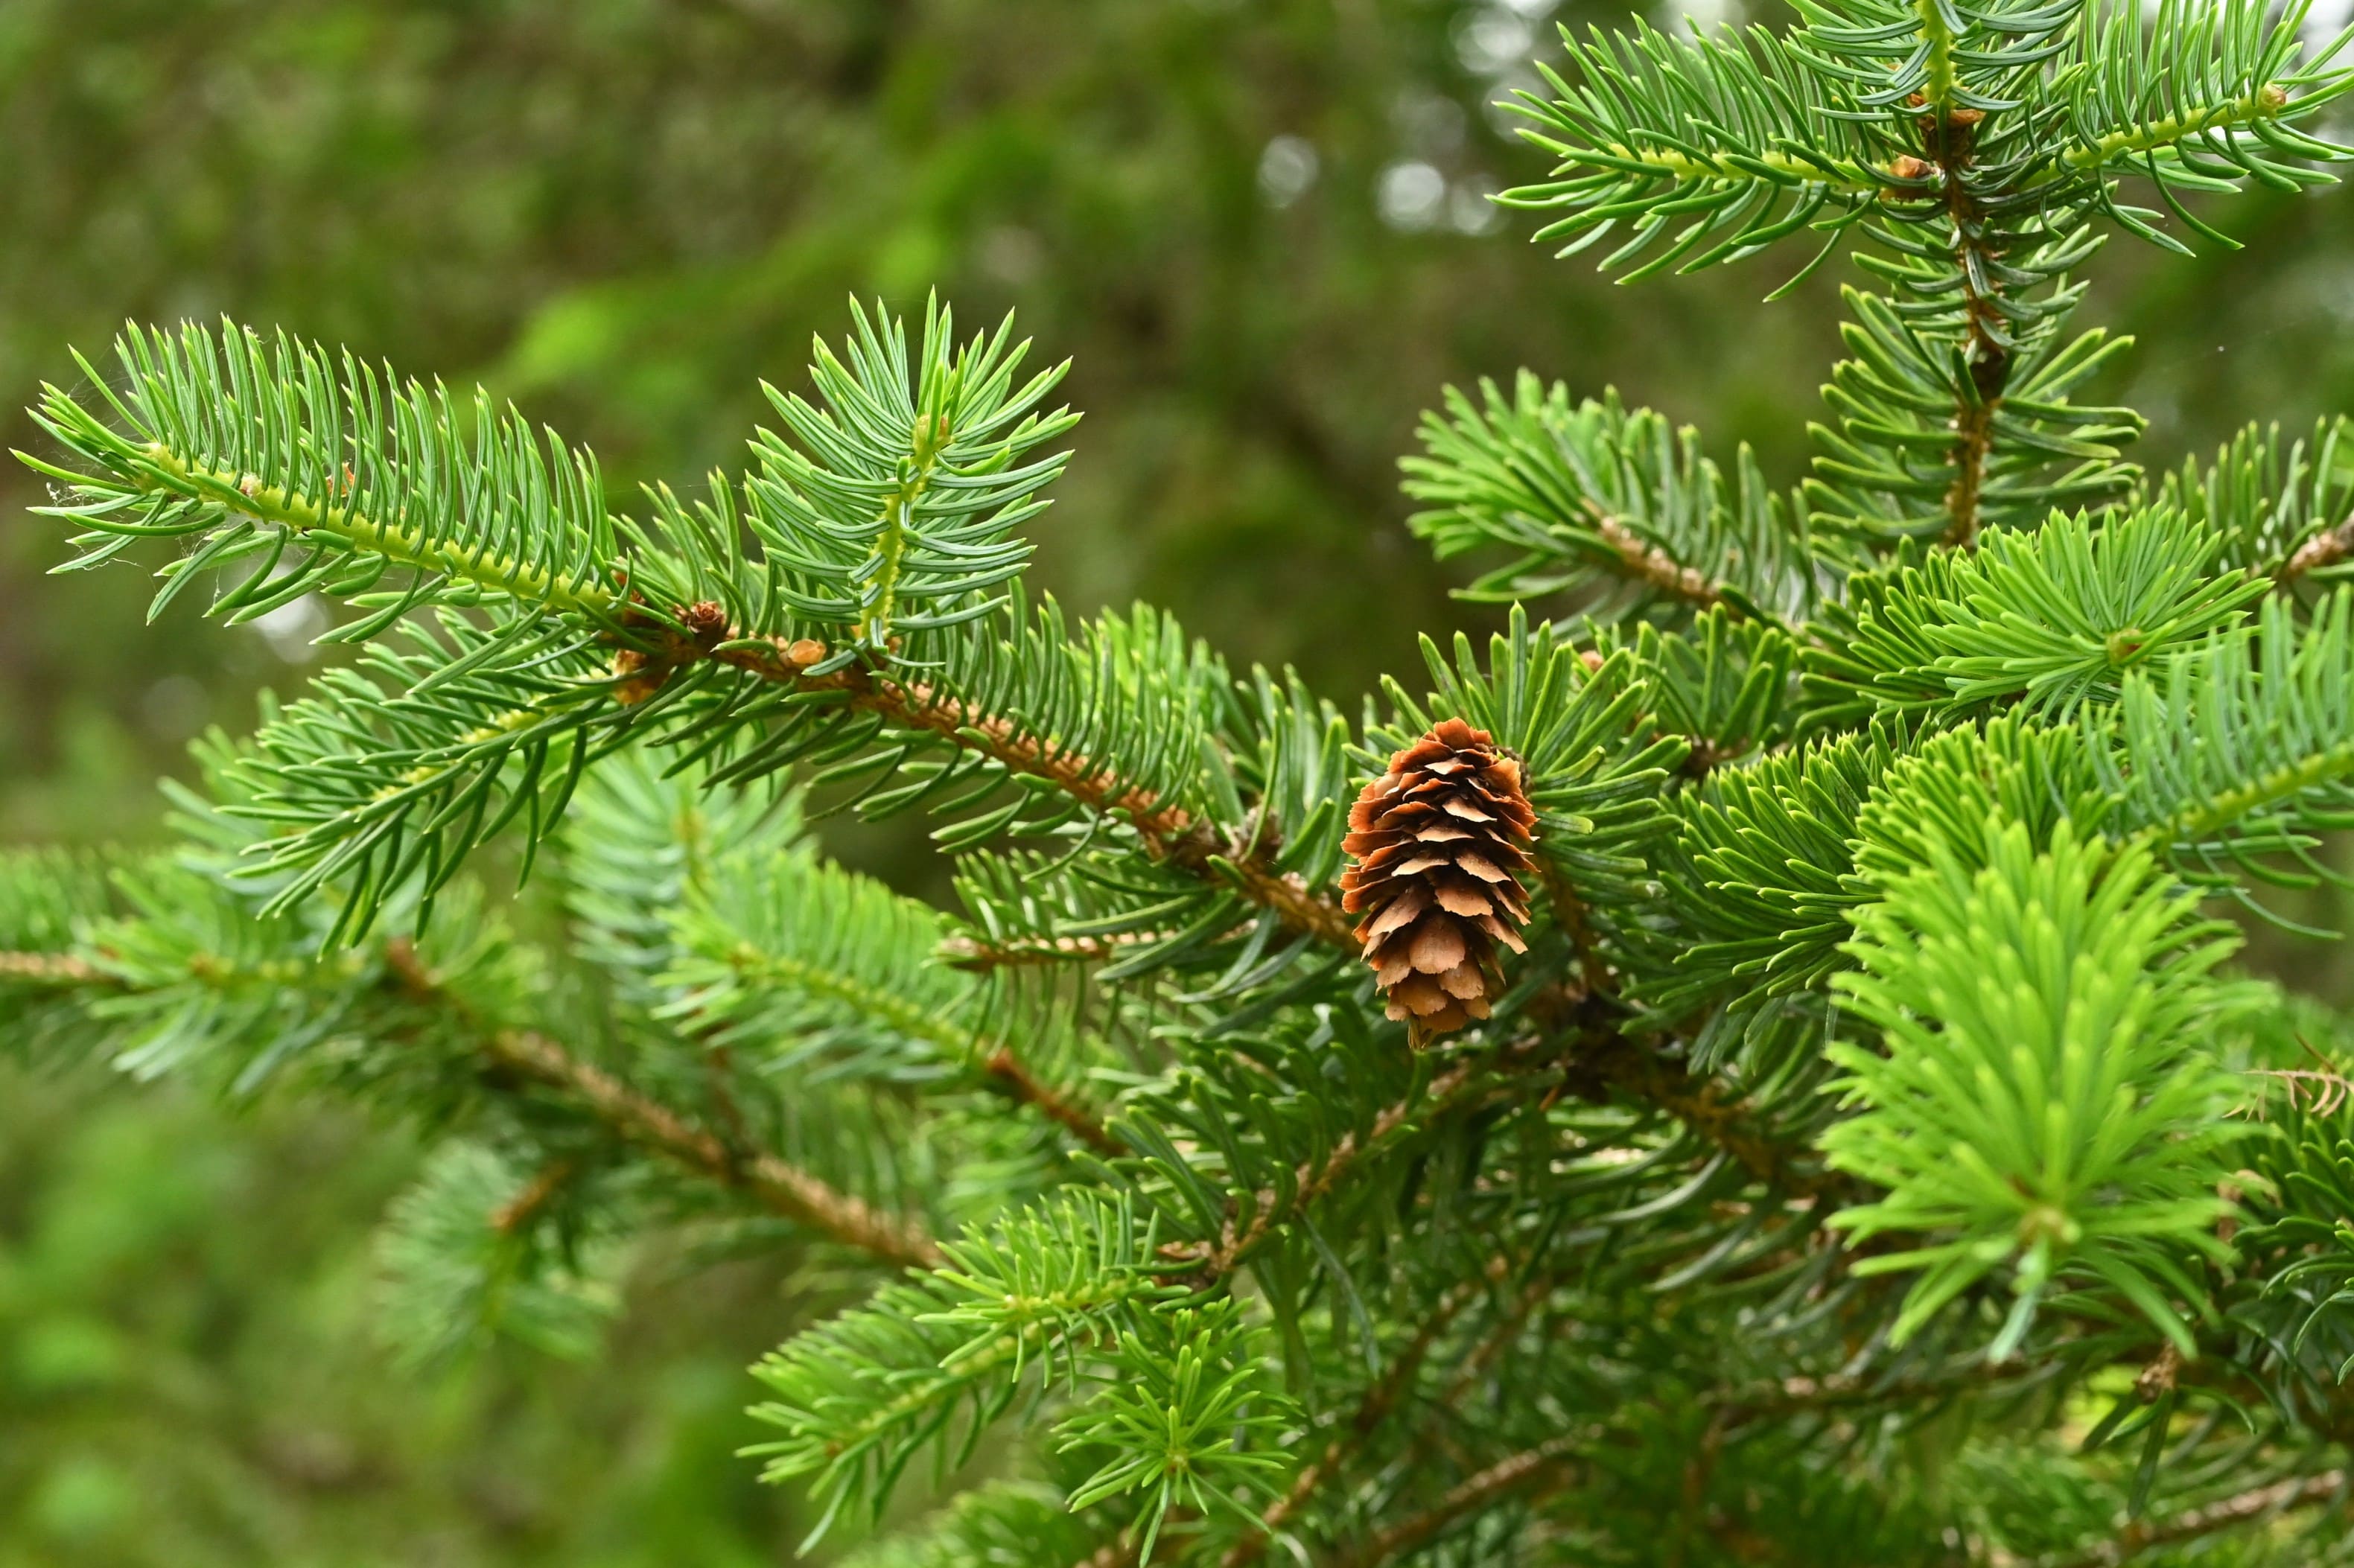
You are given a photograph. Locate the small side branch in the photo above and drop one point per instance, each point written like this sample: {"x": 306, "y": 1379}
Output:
{"x": 1169, "y": 832}
{"x": 782, "y": 1187}
{"x": 1371, "y": 1412}
{"x": 1466, "y": 1080}
{"x": 980, "y": 957}
{"x": 247, "y": 495}
{"x": 2141, "y": 1535}
{"x": 1550, "y": 1463}
{"x": 1703, "y": 1106}
{"x": 2326, "y": 548}
{"x": 1649, "y": 564}
{"x": 1010, "y": 1072}
{"x": 779, "y": 1185}
{"x": 2266, "y": 104}
{"x": 64, "y": 970}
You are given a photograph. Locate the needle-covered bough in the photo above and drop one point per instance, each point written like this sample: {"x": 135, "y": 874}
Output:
{"x": 1747, "y": 1070}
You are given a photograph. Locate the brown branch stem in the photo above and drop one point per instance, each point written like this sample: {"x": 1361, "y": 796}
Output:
{"x": 1371, "y": 1412}
{"x": 1547, "y": 1461}
{"x": 1168, "y": 831}
{"x": 777, "y": 1185}
{"x": 1465, "y": 1079}
{"x": 530, "y": 1202}
{"x": 2326, "y": 548}
{"x": 1703, "y": 1104}
{"x": 1950, "y": 137}
{"x": 1011, "y": 1073}
{"x": 781, "y": 1187}
{"x": 64, "y": 970}
{"x": 1648, "y": 563}
{"x": 2140, "y": 1535}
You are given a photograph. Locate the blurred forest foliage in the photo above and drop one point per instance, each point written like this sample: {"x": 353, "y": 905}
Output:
{"x": 1258, "y": 226}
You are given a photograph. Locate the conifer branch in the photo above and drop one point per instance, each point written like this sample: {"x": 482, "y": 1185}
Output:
{"x": 1466, "y": 1080}
{"x": 2326, "y": 548}
{"x": 515, "y": 1215}
{"x": 1842, "y": 1391}
{"x": 1589, "y": 488}
{"x": 967, "y": 952}
{"x": 1371, "y": 1412}
{"x": 324, "y": 475}
{"x": 1008, "y": 1072}
{"x": 1649, "y": 564}
{"x": 1975, "y": 919}
{"x": 775, "y": 1183}
{"x": 1168, "y": 832}
{"x": 1948, "y": 133}
{"x": 1597, "y": 1064}
{"x": 2266, "y": 104}
{"x": 248, "y": 495}
{"x": 1550, "y": 1463}
{"x": 1857, "y": 179}
{"x": 2137, "y": 1536}
{"x": 61, "y": 969}
{"x": 780, "y": 1186}
{"x": 1703, "y": 1104}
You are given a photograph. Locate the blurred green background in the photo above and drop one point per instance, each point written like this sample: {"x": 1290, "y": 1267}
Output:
{"x": 1256, "y": 225}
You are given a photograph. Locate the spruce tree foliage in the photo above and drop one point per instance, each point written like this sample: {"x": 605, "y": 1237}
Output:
{"x": 1873, "y": 1156}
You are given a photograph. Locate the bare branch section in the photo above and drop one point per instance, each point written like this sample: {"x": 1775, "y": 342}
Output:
{"x": 781, "y": 1187}
{"x": 1648, "y": 563}
{"x": 2326, "y": 548}
{"x": 1013, "y": 1075}
{"x": 1467, "y": 1080}
{"x": 1371, "y": 1412}
{"x": 2261, "y": 1502}
{"x": 1169, "y": 832}
{"x": 49, "y": 968}
{"x": 1551, "y": 1463}
{"x": 970, "y": 953}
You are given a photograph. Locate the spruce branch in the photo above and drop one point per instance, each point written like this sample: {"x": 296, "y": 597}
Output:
{"x": 1168, "y": 831}
{"x": 64, "y": 970}
{"x": 1550, "y": 1465}
{"x": 1732, "y": 130}
{"x": 2135, "y": 1537}
{"x": 2282, "y": 509}
{"x": 314, "y": 474}
{"x": 142, "y": 968}
{"x": 2068, "y": 991}
{"x": 1913, "y": 778}
{"x": 775, "y": 1184}
{"x": 1593, "y": 490}
{"x": 773, "y": 1181}
{"x": 895, "y": 504}
{"x": 2240, "y": 747}
{"x": 2325, "y": 549}
{"x": 1371, "y": 1411}
{"x": 1465, "y": 1081}
{"x": 970, "y": 952}
{"x": 1024, "y": 1087}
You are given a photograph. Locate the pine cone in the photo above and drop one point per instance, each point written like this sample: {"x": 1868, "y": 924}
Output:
{"x": 1438, "y": 846}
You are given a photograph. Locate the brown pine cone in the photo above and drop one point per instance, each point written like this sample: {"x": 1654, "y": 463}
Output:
{"x": 1438, "y": 846}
